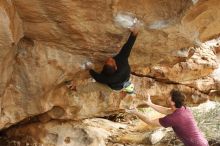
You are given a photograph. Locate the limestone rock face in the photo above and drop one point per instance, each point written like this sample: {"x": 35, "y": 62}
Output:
{"x": 66, "y": 133}
{"x": 102, "y": 132}
{"x": 10, "y": 33}
{"x": 45, "y": 43}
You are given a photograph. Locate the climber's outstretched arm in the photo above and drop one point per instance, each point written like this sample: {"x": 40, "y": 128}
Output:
{"x": 126, "y": 49}
{"x": 158, "y": 108}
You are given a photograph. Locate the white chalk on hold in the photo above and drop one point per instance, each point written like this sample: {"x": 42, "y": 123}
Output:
{"x": 195, "y": 1}
{"x": 83, "y": 66}
{"x": 159, "y": 24}
{"x": 184, "y": 52}
{"x": 92, "y": 80}
{"x": 125, "y": 19}
{"x": 87, "y": 65}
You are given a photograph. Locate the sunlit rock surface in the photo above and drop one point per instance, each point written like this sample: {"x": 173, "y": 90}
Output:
{"x": 102, "y": 132}
{"x": 45, "y": 43}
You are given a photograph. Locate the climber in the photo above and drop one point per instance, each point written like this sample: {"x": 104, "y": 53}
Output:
{"x": 116, "y": 70}
{"x": 178, "y": 117}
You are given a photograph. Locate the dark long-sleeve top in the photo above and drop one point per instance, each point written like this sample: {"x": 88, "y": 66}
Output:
{"x": 122, "y": 74}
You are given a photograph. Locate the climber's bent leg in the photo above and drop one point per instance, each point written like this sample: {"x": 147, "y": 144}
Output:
{"x": 126, "y": 86}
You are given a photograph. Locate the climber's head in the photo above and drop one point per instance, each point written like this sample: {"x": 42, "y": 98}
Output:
{"x": 110, "y": 66}
{"x": 176, "y": 99}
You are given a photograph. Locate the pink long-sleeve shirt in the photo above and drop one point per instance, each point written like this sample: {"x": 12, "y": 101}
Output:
{"x": 185, "y": 127}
